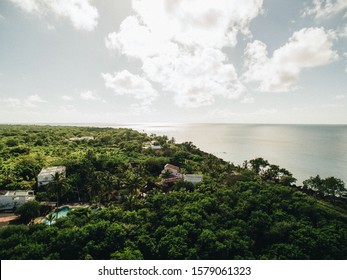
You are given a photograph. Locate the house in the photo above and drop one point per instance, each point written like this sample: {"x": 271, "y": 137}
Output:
{"x": 168, "y": 181}
{"x": 193, "y": 178}
{"x": 81, "y": 138}
{"x": 14, "y": 199}
{"x": 152, "y": 145}
{"x": 47, "y": 174}
{"x": 174, "y": 170}
{"x": 87, "y": 138}
{"x": 155, "y": 147}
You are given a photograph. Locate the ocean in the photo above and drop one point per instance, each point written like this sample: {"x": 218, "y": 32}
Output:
{"x": 304, "y": 150}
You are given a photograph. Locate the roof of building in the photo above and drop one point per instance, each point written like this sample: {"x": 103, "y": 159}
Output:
{"x": 155, "y": 147}
{"x": 193, "y": 177}
{"x": 170, "y": 166}
{"x": 19, "y": 193}
{"x": 53, "y": 170}
{"x": 170, "y": 180}
{"x": 81, "y": 138}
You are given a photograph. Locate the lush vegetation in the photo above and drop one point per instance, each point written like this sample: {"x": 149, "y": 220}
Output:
{"x": 252, "y": 211}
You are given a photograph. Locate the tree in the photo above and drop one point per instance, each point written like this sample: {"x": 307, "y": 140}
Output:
{"x": 275, "y": 174}
{"x": 28, "y": 211}
{"x": 57, "y": 187}
{"x": 334, "y": 187}
{"x": 315, "y": 184}
{"x": 12, "y": 142}
{"x": 188, "y": 146}
{"x": 50, "y": 218}
{"x": 27, "y": 168}
{"x": 174, "y": 244}
{"x": 132, "y": 182}
{"x": 155, "y": 165}
{"x": 127, "y": 254}
{"x": 330, "y": 186}
{"x": 87, "y": 172}
{"x": 183, "y": 186}
{"x": 258, "y": 164}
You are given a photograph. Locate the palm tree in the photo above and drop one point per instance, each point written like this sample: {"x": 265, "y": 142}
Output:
{"x": 57, "y": 186}
{"x": 50, "y": 218}
{"x": 133, "y": 182}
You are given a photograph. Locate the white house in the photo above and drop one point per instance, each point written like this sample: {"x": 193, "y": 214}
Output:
{"x": 47, "y": 174}
{"x": 14, "y": 199}
{"x": 174, "y": 170}
{"x": 82, "y": 138}
{"x": 155, "y": 147}
{"x": 152, "y": 145}
{"x": 193, "y": 178}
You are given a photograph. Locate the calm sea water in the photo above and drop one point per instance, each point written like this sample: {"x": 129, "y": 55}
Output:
{"x": 304, "y": 150}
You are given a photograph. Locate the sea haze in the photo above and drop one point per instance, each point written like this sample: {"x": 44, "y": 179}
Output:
{"x": 304, "y": 150}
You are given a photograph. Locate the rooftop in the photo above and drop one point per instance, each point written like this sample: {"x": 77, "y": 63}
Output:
{"x": 170, "y": 166}
{"x": 19, "y": 193}
{"x": 53, "y": 170}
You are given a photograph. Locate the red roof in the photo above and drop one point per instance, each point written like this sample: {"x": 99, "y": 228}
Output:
{"x": 170, "y": 166}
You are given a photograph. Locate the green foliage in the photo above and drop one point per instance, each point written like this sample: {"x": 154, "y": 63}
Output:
{"x": 28, "y": 211}
{"x": 127, "y": 254}
{"x": 154, "y": 165}
{"x": 330, "y": 186}
{"x": 27, "y": 168}
{"x": 238, "y": 212}
{"x": 12, "y": 142}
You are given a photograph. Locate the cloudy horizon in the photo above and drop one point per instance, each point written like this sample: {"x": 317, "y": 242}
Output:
{"x": 180, "y": 61}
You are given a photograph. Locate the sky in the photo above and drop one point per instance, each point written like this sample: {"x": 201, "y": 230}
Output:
{"x": 173, "y": 61}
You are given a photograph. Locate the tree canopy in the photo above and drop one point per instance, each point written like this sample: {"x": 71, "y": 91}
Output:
{"x": 252, "y": 211}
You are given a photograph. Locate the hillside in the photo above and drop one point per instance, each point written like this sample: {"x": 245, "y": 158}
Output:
{"x": 252, "y": 211}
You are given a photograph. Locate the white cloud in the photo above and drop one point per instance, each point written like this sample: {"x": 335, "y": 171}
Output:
{"x": 31, "y": 101}
{"x": 345, "y": 55}
{"x": 89, "y": 95}
{"x": 11, "y": 102}
{"x": 140, "y": 109}
{"x": 67, "y": 109}
{"x": 340, "y": 97}
{"x": 35, "y": 99}
{"x": 195, "y": 77}
{"x": 248, "y": 99}
{"x": 325, "y": 8}
{"x": 81, "y": 13}
{"x": 317, "y": 107}
{"x": 126, "y": 83}
{"x": 307, "y": 48}
{"x": 28, "y": 5}
{"x": 136, "y": 40}
{"x": 66, "y": 97}
{"x": 343, "y": 32}
{"x": 180, "y": 45}
{"x": 325, "y": 106}
{"x": 50, "y": 27}
{"x": 198, "y": 22}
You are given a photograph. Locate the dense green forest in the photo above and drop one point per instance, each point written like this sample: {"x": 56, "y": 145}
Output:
{"x": 253, "y": 211}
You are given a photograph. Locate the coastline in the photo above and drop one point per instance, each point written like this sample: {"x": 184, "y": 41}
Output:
{"x": 304, "y": 149}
